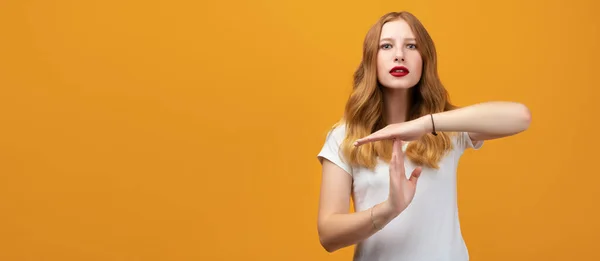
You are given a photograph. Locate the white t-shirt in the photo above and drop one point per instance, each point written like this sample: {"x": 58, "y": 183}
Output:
{"x": 428, "y": 229}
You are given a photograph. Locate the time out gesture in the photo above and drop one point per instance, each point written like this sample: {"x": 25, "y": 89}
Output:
{"x": 483, "y": 121}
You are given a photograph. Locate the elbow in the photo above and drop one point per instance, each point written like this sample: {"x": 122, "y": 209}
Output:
{"x": 524, "y": 116}
{"x": 518, "y": 118}
{"x": 327, "y": 245}
{"x": 326, "y": 241}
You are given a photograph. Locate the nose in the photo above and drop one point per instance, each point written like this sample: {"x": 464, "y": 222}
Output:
{"x": 399, "y": 57}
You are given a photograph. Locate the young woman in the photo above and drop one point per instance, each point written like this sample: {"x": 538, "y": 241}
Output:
{"x": 399, "y": 128}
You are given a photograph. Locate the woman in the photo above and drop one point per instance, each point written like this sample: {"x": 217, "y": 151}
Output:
{"x": 399, "y": 128}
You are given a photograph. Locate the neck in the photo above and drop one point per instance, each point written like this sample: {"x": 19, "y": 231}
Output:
{"x": 396, "y": 103}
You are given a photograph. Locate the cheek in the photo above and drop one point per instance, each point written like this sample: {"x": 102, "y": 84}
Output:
{"x": 380, "y": 64}
{"x": 417, "y": 64}
{"x": 380, "y": 60}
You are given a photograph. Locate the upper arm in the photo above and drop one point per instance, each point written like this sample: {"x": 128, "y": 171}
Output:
{"x": 478, "y": 137}
{"x": 336, "y": 187}
{"x": 336, "y": 177}
{"x": 521, "y": 121}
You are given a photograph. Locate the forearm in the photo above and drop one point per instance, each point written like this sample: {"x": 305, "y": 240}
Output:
{"x": 337, "y": 231}
{"x": 490, "y": 118}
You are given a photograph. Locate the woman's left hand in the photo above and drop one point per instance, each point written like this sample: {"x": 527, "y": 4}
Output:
{"x": 405, "y": 131}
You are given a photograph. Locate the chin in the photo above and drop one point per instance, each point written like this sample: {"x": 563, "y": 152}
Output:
{"x": 398, "y": 84}
{"x": 397, "y": 87}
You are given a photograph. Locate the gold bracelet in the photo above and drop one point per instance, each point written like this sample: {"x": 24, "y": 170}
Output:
{"x": 373, "y": 220}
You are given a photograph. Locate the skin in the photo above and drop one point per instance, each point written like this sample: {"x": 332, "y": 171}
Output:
{"x": 398, "y": 47}
{"x": 490, "y": 120}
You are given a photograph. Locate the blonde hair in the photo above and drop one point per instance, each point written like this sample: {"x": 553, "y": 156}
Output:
{"x": 364, "y": 111}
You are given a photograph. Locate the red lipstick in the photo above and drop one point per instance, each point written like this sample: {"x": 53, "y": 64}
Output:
{"x": 399, "y": 71}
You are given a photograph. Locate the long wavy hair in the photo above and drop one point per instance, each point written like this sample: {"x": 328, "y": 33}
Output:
{"x": 364, "y": 111}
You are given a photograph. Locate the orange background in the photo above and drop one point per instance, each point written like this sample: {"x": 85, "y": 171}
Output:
{"x": 185, "y": 130}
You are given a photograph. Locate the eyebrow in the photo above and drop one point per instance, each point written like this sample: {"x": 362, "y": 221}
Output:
{"x": 392, "y": 39}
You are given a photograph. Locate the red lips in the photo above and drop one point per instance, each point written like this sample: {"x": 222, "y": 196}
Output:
{"x": 399, "y": 71}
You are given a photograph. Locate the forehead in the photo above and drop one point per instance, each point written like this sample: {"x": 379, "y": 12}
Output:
{"x": 398, "y": 29}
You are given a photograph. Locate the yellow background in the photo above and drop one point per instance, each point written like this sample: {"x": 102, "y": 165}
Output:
{"x": 188, "y": 130}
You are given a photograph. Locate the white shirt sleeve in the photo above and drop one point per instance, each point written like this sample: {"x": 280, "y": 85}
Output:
{"x": 467, "y": 142}
{"x": 331, "y": 149}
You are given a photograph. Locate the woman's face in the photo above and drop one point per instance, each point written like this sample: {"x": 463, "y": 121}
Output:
{"x": 399, "y": 63}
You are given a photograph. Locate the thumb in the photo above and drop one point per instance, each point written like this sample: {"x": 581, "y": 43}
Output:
{"x": 415, "y": 175}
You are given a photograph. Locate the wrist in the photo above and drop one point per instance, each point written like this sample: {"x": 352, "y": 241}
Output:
{"x": 381, "y": 215}
{"x": 427, "y": 123}
{"x": 387, "y": 211}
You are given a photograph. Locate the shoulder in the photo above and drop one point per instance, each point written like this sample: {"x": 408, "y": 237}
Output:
{"x": 336, "y": 134}
{"x": 338, "y": 131}
{"x": 331, "y": 149}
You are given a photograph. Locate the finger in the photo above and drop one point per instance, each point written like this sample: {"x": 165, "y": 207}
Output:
{"x": 393, "y": 163}
{"x": 415, "y": 175}
{"x": 377, "y": 136}
{"x": 397, "y": 149}
{"x": 397, "y": 146}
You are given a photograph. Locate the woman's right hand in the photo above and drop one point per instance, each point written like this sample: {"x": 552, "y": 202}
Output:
{"x": 402, "y": 189}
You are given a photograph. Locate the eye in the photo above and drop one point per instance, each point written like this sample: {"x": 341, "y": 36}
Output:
{"x": 386, "y": 46}
{"x": 411, "y": 46}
